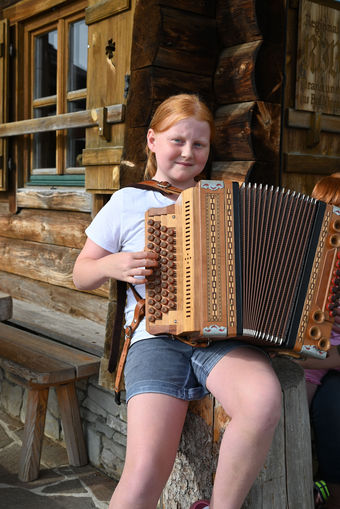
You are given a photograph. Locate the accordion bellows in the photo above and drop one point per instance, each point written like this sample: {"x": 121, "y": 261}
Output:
{"x": 256, "y": 263}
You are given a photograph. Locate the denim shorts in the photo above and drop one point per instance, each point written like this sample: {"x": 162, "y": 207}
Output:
{"x": 165, "y": 365}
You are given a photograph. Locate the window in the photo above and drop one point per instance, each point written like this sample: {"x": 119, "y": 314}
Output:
{"x": 56, "y": 55}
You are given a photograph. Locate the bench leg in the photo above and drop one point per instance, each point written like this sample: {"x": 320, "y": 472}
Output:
{"x": 71, "y": 422}
{"x": 33, "y": 434}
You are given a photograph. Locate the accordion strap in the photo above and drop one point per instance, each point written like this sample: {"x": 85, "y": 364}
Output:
{"x": 128, "y": 333}
{"x": 155, "y": 185}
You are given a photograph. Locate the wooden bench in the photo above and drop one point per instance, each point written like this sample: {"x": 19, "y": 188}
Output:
{"x": 39, "y": 363}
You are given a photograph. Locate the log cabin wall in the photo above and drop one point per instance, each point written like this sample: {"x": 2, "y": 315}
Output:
{"x": 41, "y": 228}
{"x": 248, "y": 88}
{"x": 174, "y": 50}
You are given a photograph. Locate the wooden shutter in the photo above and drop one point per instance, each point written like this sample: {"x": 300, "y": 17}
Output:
{"x": 3, "y": 100}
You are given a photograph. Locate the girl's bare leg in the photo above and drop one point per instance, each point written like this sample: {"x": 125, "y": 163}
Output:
{"x": 155, "y": 423}
{"x": 249, "y": 391}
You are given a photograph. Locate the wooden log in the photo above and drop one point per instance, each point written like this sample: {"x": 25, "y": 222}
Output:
{"x": 49, "y": 227}
{"x": 172, "y": 38}
{"x": 248, "y": 131}
{"x": 157, "y": 84}
{"x": 44, "y": 262}
{"x": 237, "y": 171}
{"x": 56, "y": 199}
{"x": 249, "y": 20}
{"x": 195, "y": 6}
{"x": 286, "y": 479}
{"x": 64, "y": 300}
{"x": 246, "y": 171}
{"x": 249, "y": 72}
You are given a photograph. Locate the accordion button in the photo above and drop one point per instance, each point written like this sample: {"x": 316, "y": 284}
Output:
{"x": 151, "y": 311}
{"x": 151, "y": 302}
{"x": 151, "y": 318}
{"x": 151, "y": 221}
{"x": 158, "y": 306}
{"x": 165, "y": 309}
{"x": 158, "y": 314}
{"x": 163, "y": 228}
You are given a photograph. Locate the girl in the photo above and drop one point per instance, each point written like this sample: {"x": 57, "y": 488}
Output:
{"x": 161, "y": 373}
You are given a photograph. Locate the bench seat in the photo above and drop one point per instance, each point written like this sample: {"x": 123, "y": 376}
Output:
{"x": 39, "y": 363}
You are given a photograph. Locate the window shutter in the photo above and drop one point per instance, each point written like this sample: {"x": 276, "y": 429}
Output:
{"x": 4, "y": 47}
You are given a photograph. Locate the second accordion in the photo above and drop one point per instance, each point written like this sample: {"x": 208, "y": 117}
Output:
{"x": 252, "y": 262}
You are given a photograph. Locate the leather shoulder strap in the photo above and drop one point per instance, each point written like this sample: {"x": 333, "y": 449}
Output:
{"x": 154, "y": 185}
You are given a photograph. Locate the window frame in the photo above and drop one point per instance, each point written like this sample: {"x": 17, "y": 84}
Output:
{"x": 60, "y": 20}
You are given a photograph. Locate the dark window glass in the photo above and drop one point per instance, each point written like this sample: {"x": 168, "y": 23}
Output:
{"x": 44, "y": 144}
{"x": 45, "y": 65}
{"x": 77, "y": 56}
{"x": 75, "y": 137}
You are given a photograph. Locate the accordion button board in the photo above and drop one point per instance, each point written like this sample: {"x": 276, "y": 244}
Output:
{"x": 257, "y": 263}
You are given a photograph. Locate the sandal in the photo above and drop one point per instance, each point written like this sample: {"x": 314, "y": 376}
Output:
{"x": 321, "y": 494}
{"x": 200, "y": 504}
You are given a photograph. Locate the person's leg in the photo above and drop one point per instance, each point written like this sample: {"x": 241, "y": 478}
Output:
{"x": 325, "y": 415}
{"x": 155, "y": 423}
{"x": 249, "y": 391}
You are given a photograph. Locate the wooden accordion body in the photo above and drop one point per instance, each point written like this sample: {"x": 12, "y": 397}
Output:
{"x": 256, "y": 263}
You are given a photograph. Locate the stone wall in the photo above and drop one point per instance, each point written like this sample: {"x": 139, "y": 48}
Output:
{"x": 104, "y": 422}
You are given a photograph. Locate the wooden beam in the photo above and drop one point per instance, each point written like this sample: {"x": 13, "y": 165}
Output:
{"x": 56, "y": 199}
{"x": 304, "y": 120}
{"x": 105, "y": 9}
{"x": 86, "y": 118}
{"x": 46, "y": 226}
{"x": 311, "y": 164}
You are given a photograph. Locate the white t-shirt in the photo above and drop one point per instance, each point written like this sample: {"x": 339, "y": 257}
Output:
{"x": 120, "y": 226}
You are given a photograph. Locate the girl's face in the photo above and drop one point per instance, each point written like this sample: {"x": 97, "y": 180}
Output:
{"x": 181, "y": 151}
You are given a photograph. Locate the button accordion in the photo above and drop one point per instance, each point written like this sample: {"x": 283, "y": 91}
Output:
{"x": 257, "y": 263}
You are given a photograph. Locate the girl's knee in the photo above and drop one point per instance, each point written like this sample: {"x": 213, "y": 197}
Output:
{"x": 262, "y": 406}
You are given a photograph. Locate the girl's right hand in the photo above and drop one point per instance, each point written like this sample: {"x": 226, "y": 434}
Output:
{"x": 130, "y": 267}
{"x": 94, "y": 266}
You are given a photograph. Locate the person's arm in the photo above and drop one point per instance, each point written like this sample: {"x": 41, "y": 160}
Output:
{"x": 95, "y": 265}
